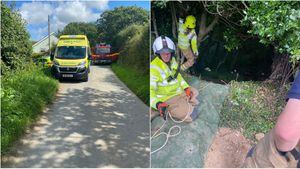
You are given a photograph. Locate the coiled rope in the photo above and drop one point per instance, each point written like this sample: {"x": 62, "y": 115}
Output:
{"x": 168, "y": 134}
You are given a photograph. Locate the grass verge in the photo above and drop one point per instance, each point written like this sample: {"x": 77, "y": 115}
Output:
{"x": 251, "y": 107}
{"x": 24, "y": 94}
{"x": 136, "y": 81}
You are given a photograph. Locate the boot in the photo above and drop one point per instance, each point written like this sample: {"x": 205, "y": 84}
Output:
{"x": 266, "y": 155}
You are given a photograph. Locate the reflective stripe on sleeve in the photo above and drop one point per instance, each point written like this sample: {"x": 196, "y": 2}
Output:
{"x": 152, "y": 83}
{"x": 162, "y": 73}
{"x": 166, "y": 83}
{"x": 190, "y": 35}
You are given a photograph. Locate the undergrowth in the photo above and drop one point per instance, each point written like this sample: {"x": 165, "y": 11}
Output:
{"x": 24, "y": 94}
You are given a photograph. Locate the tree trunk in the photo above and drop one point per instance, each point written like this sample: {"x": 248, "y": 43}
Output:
{"x": 203, "y": 30}
{"x": 280, "y": 69}
{"x": 202, "y": 26}
{"x": 174, "y": 20}
{"x": 154, "y": 24}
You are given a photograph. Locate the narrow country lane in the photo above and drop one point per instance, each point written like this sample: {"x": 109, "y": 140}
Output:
{"x": 99, "y": 123}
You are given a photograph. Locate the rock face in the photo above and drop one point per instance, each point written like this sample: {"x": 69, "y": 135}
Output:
{"x": 189, "y": 148}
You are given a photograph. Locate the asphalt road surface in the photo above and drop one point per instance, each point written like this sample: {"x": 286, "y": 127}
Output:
{"x": 99, "y": 123}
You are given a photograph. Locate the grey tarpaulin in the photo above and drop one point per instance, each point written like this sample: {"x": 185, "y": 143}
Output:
{"x": 189, "y": 148}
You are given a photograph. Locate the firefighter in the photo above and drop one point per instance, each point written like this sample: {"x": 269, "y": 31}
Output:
{"x": 280, "y": 148}
{"x": 187, "y": 41}
{"x": 168, "y": 90}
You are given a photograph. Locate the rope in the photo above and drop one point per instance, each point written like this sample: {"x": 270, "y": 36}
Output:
{"x": 168, "y": 134}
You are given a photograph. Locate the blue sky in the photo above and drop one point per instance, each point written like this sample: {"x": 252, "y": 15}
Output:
{"x": 63, "y": 12}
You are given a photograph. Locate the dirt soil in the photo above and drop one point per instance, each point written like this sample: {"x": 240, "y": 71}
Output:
{"x": 228, "y": 149}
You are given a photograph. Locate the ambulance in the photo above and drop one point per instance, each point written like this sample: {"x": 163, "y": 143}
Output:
{"x": 72, "y": 58}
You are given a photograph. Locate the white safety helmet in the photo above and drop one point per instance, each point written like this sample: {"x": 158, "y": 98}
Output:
{"x": 163, "y": 44}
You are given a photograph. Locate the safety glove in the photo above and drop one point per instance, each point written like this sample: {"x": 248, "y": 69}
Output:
{"x": 188, "y": 92}
{"x": 196, "y": 54}
{"x": 162, "y": 109}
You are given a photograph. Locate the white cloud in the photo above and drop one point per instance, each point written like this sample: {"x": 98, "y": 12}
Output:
{"x": 75, "y": 12}
{"x": 62, "y": 13}
{"x": 36, "y": 12}
{"x": 101, "y": 5}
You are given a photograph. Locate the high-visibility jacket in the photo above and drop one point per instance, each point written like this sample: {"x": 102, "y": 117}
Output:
{"x": 160, "y": 89}
{"x": 184, "y": 39}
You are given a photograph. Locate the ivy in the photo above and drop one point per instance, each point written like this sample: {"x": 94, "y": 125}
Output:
{"x": 16, "y": 48}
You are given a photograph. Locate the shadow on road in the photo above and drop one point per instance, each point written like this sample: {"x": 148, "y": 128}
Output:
{"x": 88, "y": 127}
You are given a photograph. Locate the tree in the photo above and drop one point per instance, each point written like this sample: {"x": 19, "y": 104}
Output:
{"x": 205, "y": 22}
{"x": 277, "y": 24}
{"x": 111, "y": 22}
{"x": 273, "y": 23}
{"x": 16, "y": 47}
{"x": 209, "y": 14}
{"x": 134, "y": 45}
{"x": 81, "y": 28}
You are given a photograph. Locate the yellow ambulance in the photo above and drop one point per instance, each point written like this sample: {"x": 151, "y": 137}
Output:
{"x": 71, "y": 58}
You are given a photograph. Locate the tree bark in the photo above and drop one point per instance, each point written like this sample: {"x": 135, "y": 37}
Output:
{"x": 202, "y": 25}
{"x": 174, "y": 20}
{"x": 203, "y": 30}
{"x": 280, "y": 69}
{"x": 154, "y": 24}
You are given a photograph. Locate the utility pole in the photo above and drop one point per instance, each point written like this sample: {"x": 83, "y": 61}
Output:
{"x": 49, "y": 35}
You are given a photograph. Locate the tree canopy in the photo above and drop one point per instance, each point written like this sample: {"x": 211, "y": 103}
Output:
{"x": 276, "y": 23}
{"x": 81, "y": 28}
{"x": 111, "y": 22}
{"x": 15, "y": 44}
{"x": 239, "y": 25}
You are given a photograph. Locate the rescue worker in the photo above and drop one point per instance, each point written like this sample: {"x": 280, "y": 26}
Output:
{"x": 168, "y": 90}
{"x": 187, "y": 41}
{"x": 280, "y": 148}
